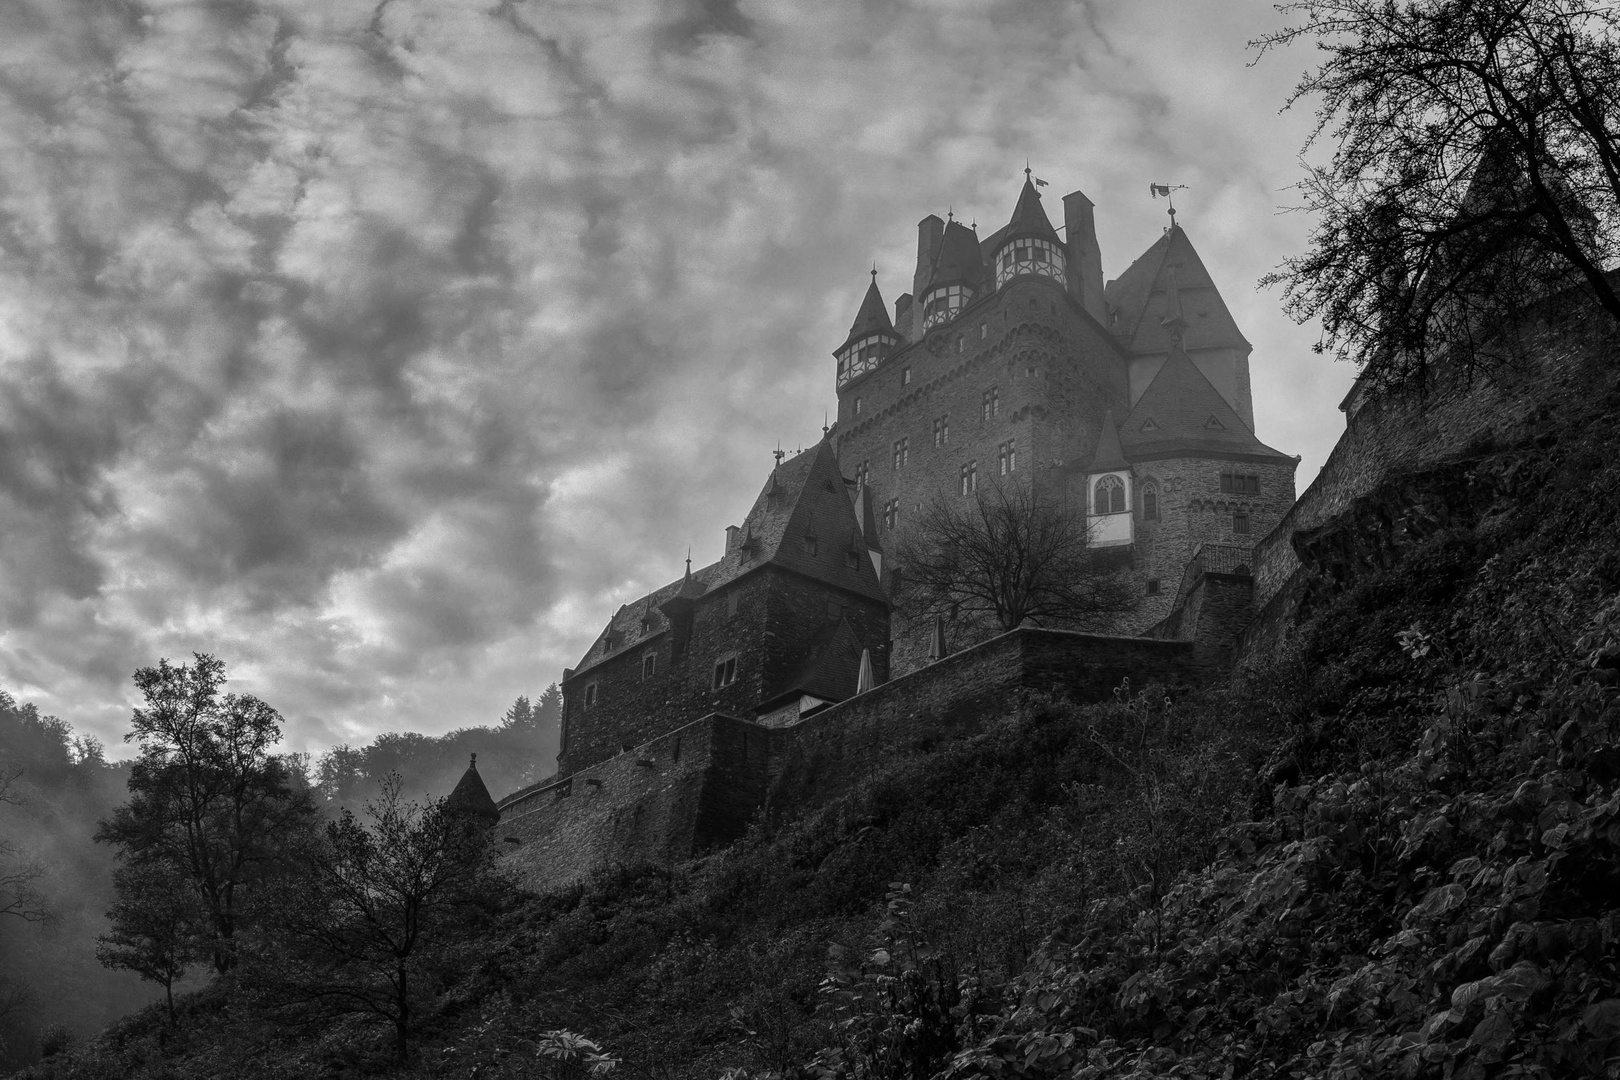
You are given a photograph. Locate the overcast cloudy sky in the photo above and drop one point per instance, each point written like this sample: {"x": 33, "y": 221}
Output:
{"x": 382, "y": 349}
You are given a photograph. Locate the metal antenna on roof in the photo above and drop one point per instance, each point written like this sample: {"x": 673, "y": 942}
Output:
{"x": 1165, "y": 189}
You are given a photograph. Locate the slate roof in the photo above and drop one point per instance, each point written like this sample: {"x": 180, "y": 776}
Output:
{"x": 1109, "y": 456}
{"x": 959, "y": 261}
{"x": 872, "y": 318}
{"x": 831, "y": 667}
{"x": 805, "y": 496}
{"x": 1139, "y": 298}
{"x": 1029, "y": 218}
{"x": 1182, "y": 412}
{"x": 471, "y": 796}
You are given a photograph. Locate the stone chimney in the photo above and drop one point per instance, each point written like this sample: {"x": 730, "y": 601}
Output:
{"x": 1085, "y": 257}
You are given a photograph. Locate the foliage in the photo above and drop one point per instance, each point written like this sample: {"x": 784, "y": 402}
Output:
{"x": 1476, "y": 165}
{"x": 379, "y": 915}
{"x": 158, "y": 927}
{"x": 1005, "y": 557}
{"x": 208, "y": 798}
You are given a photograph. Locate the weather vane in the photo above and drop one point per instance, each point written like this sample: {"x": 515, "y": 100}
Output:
{"x": 1165, "y": 189}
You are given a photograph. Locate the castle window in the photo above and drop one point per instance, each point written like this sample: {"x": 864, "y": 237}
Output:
{"x": 852, "y": 559}
{"x": 901, "y": 446}
{"x": 590, "y": 694}
{"x": 1109, "y": 496}
{"x": 905, "y": 376}
{"x": 649, "y": 666}
{"x": 675, "y": 751}
{"x": 863, "y": 473}
{"x": 942, "y": 304}
{"x": 1153, "y": 586}
{"x": 646, "y": 626}
{"x": 861, "y": 357}
{"x": 1240, "y": 521}
{"x": 984, "y": 331}
{"x": 732, "y": 599}
{"x": 1029, "y": 256}
{"x": 1007, "y": 457}
{"x": 857, "y": 406}
{"x": 891, "y": 513}
{"x": 1241, "y": 483}
{"x": 725, "y": 672}
{"x": 991, "y": 404}
{"x": 942, "y": 430}
{"x": 1150, "y": 502}
{"x": 970, "y": 478}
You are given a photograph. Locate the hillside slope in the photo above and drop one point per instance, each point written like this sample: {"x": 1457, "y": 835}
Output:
{"x": 1393, "y": 850}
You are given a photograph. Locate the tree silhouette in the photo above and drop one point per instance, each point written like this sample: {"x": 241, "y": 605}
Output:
{"x": 1476, "y": 168}
{"x": 208, "y": 798}
{"x": 1007, "y": 556}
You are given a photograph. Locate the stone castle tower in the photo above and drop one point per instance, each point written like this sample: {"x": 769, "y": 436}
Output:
{"x": 1011, "y": 361}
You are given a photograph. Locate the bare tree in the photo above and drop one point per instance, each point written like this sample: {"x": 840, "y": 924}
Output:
{"x": 1476, "y": 168}
{"x": 1006, "y": 557}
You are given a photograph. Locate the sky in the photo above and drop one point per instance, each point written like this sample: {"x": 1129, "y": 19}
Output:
{"x": 382, "y": 350}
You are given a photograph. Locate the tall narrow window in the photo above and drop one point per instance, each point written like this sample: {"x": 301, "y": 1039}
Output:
{"x": 725, "y": 672}
{"x": 863, "y": 472}
{"x": 901, "y": 446}
{"x": 992, "y": 404}
{"x": 970, "y": 478}
{"x": 1150, "y": 502}
{"x": 905, "y": 376}
{"x": 857, "y": 406}
{"x": 1240, "y": 521}
{"x": 590, "y": 694}
{"x": 891, "y": 513}
{"x": 942, "y": 430}
{"x": 649, "y": 666}
{"x": 1109, "y": 496}
{"x": 1007, "y": 457}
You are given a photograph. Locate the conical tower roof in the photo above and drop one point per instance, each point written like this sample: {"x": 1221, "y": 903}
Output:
{"x": 472, "y": 797}
{"x": 873, "y": 317}
{"x": 1029, "y": 218}
{"x": 959, "y": 261}
{"x": 1109, "y": 457}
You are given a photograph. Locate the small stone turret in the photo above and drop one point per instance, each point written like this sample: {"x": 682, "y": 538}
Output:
{"x": 471, "y": 798}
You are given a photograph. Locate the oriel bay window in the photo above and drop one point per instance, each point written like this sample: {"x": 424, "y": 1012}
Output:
{"x": 1108, "y": 496}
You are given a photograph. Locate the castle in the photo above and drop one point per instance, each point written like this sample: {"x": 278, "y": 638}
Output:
{"x": 1010, "y": 362}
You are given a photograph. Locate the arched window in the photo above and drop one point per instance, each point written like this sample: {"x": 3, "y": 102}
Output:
{"x": 1150, "y": 502}
{"x": 1110, "y": 496}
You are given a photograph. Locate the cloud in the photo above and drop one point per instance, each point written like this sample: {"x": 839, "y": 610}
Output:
{"x": 384, "y": 349}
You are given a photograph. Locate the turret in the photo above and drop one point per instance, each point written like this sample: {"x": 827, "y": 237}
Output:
{"x": 1029, "y": 244}
{"x": 871, "y": 337}
{"x": 471, "y": 800}
{"x": 955, "y": 278}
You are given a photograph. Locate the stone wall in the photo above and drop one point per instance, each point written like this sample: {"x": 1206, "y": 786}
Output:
{"x": 667, "y": 800}
{"x": 1416, "y": 429}
{"x": 697, "y": 787}
{"x": 955, "y": 697}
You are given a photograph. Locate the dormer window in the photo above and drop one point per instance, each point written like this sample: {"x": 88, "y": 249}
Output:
{"x": 1029, "y": 256}
{"x": 861, "y": 357}
{"x": 943, "y": 303}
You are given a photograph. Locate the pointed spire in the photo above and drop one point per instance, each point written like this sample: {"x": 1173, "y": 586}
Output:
{"x": 471, "y": 797}
{"x": 872, "y": 318}
{"x": 1108, "y": 457}
{"x": 1029, "y": 217}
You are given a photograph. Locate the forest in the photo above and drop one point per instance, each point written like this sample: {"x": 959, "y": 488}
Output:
{"x": 57, "y": 884}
